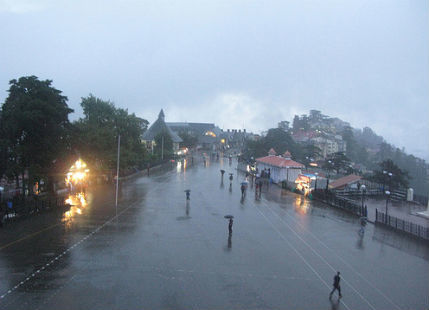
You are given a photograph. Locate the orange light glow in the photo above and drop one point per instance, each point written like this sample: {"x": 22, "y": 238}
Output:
{"x": 77, "y": 174}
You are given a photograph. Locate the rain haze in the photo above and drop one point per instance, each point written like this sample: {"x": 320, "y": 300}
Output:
{"x": 239, "y": 64}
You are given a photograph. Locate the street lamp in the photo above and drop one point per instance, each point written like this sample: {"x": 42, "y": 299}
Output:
{"x": 387, "y": 200}
{"x": 389, "y": 175}
{"x": 363, "y": 188}
{"x": 329, "y": 175}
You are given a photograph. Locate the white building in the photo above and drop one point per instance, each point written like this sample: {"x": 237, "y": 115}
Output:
{"x": 282, "y": 168}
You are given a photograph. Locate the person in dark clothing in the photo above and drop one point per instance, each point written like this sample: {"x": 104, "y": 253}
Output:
{"x": 188, "y": 194}
{"x": 231, "y": 221}
{"x": 336, "y": 285}
{"x": 243, "y": 190}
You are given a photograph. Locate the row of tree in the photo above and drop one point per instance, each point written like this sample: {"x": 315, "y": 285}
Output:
{"x": 38, "y": 141}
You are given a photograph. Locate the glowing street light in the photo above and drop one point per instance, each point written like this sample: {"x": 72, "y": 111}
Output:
{"x": 387, "y": 201}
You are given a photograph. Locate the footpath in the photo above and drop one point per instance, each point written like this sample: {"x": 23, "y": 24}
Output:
{"x": 403, "y": 210}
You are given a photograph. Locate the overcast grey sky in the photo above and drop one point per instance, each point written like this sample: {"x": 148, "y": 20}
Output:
{"x": 236, "y": 63}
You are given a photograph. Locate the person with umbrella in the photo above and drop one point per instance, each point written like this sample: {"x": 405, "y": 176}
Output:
{"x": 231, "y": 221}
{"x": 188, "y": 194}
{"x": 222, "y": 172}
{"x": 243, "y": 189}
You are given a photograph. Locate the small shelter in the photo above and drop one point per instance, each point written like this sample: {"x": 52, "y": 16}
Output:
{"x": 281, "y": 167}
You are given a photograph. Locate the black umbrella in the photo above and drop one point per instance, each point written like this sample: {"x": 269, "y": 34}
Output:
{"x": 229, "y": 216}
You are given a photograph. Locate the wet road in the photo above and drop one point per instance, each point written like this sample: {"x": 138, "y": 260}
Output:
{"x": 162, "y": 252}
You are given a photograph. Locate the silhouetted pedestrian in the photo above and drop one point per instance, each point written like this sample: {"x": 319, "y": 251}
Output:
{"x": 362, "y": 225}
{"x": 243, "y": 190}
{"x": 231, "y": 221}
{"x": 188, "y": 194}
{"x": 336, "y": 285}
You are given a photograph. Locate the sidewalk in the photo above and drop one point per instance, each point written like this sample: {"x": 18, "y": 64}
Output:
{"x": 402, "y": 210}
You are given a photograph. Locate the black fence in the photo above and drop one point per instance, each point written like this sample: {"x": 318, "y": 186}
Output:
{"x": 20, "y": 207}
{"x": 402, "y": 225}
{"x": 340, "y": 202}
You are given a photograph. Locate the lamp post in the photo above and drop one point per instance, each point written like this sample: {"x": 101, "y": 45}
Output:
{"x": 389, "y": 175}
{"x": 387, "y": 201}
{"x": 363, "y": 188}
{"x": 315, "y": 183}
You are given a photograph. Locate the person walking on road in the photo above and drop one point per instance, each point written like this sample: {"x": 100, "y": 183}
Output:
{"x": 243, "y": 190}
{"x": 362, "y": 225}
{"x": 188, "y": 194}
{"x": 336, "y": 286}
{"x": 231, "y": 221}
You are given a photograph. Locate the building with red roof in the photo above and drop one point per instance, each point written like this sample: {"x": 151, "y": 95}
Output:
{"x": 349, "y": 181}
{"x": 281, "y": 167}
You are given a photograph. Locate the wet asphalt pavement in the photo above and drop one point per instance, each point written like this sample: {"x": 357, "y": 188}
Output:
{"x": 163, "y": 252}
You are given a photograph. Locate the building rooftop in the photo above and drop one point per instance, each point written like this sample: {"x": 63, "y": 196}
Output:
{"x": 159, "y": 126}
{"x": 279, "y": 161}
{"x": 344, "y": 181}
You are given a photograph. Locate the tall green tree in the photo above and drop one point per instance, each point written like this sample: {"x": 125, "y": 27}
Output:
{"x": 97, "y": 134}
{"x": 337, "y": 161}
{"x": 281, "y": 141}
{"x": 163, "y": 145}
{"x": 276, "y": 138}
{"x": 36, "y": 128}
{"x": 391, "y": 175}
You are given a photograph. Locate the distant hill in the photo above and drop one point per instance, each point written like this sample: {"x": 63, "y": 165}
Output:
{"x": 364, "y": 146}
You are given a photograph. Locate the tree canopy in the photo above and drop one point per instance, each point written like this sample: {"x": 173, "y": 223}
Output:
{"x": 163, "y": 145}
{"x": 97, "y": 133}
{"x": 337, "y": 161}
{"x": 35, "y": 128}
{"x": 276, "y": 138}
{"x": 391, "y": 175}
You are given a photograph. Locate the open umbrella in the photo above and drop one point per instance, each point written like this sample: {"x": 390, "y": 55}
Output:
{"x": 229, "y": 216}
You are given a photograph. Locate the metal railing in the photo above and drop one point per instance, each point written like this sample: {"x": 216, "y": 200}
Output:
{"x": 20, "y": 207}
{"x": 401, "y": 225}
{"x": 338, "y": 202}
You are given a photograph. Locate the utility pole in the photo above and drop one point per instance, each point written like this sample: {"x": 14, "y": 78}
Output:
{"x": 162, "y": 147}
{"x": 117, "y": 174}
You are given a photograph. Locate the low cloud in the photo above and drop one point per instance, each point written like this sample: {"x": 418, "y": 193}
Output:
{"x": 233, "y": 110}
{"x": 22, "y": 6}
